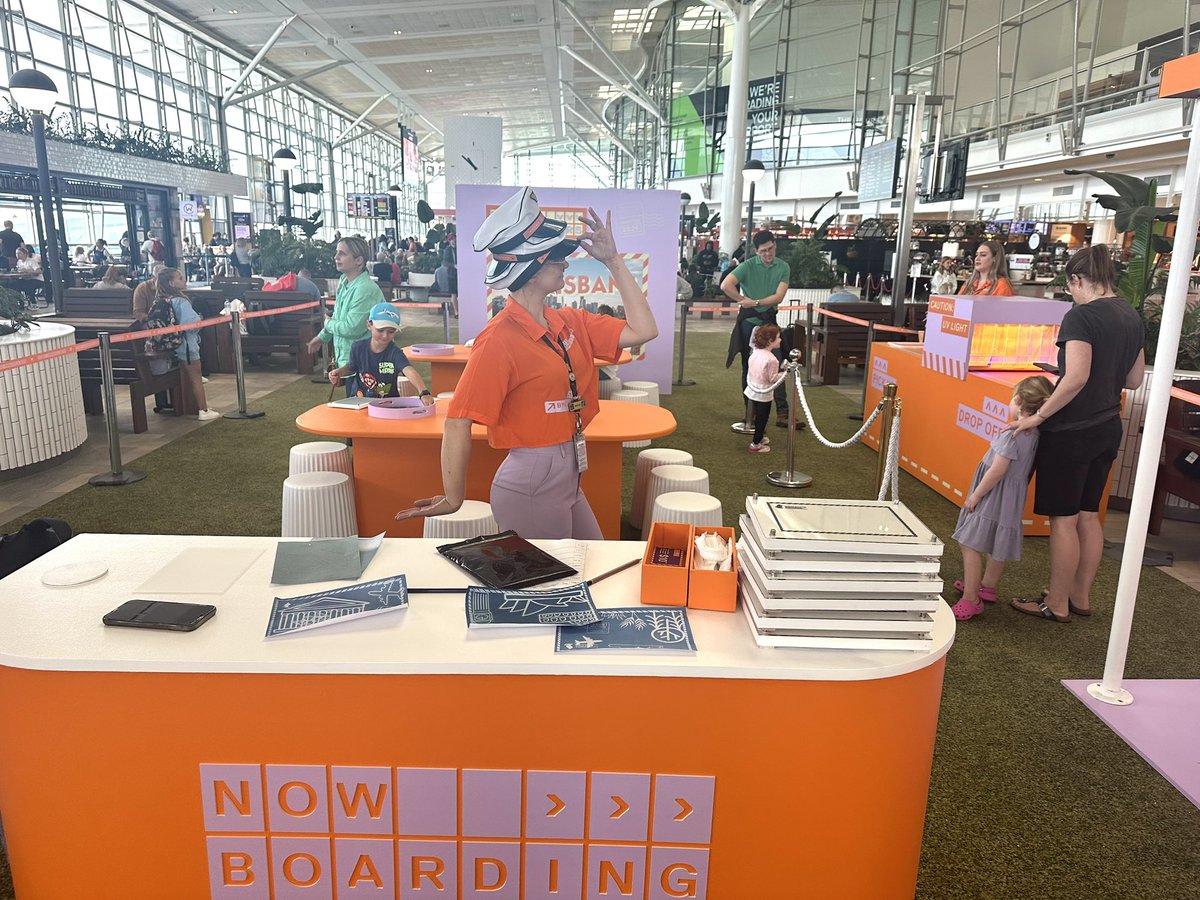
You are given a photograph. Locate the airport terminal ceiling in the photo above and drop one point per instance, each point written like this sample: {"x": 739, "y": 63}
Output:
{"x": 451, "y": 57}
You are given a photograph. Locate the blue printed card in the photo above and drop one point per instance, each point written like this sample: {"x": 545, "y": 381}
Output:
{"x": 498, "y": 608}
{"x": 291, "y": 614}
{"x": 631, "y": 628}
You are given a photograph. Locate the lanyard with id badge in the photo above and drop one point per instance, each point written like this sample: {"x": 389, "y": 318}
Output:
{"x": 575, "y": 405}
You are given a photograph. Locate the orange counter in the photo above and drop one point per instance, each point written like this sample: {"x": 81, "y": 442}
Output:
{"x": 399, "y": 461}
{"x": 946, "y": 424}
{"x": 445, "y": 371}
{"x": 401, "y": 757}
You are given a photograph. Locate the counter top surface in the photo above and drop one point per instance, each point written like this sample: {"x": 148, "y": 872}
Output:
{"x": 60, "y": 628}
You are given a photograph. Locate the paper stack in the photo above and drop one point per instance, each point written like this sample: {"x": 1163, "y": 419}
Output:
{"x": 853, "y": 574}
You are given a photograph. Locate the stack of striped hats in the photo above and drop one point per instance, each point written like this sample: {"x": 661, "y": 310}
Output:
{"x": 521, "y": 240}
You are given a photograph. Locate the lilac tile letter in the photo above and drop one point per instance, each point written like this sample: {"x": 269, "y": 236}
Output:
{"x": 232, "y": 797}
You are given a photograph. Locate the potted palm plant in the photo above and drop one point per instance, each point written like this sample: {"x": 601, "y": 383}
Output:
{"x": 14, "y": 318}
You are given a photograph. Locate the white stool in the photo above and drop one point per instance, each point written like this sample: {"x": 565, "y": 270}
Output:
{"x": 648, "y": 461}
{"x": 668, "y": 478}
{"x": 687, "y": 507}
{"x": 445, "y": 395}
{"x": 608, "y": 387}
{"x": 318, "y": 505}
{"x": 320, "y": 456}
{"x": 470, "y": 520}
{"x": 632, "y": 397}
{"x": 650, "y": 387}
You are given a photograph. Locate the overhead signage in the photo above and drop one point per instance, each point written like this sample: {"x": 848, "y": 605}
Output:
{"x": 764, "y": 105}
{"x": 412, "y": 161}
{"x": 878, "y": 171}
{"x": 369, "y": 206}
{"x": 241, "y": 225}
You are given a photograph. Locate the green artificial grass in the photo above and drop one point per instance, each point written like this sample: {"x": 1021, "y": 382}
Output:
{"x": 1031, "y": 797}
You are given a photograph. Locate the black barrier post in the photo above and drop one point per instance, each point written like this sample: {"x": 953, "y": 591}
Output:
{"x": 322, "y": 351}
{"x": 680, "y": 381}
{"x": 866, "y": 372}
{"x": 118, "y": 474}
{"x": 791, "y": 478}
{"x": 240, "y": 412}
{"x": 446, "y": 319}
{"x": 808, "y": 345}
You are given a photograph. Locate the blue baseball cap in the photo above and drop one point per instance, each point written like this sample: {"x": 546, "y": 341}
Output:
{"x": 383, "y": 316}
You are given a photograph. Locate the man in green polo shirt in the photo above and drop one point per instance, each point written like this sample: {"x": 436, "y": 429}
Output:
{"x": 758, "y": 285}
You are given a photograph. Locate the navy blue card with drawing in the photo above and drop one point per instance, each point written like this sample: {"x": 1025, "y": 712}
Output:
{"x": 630, "y": 628}
{"x": 496, "y": 608}
{"x": 290, "y": 614}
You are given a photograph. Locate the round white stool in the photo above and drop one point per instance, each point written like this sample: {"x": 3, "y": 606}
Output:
{"x": 608, "y": 387}
{"x": 668, "y": 478}
{"x": 470, "y": 520}
{"x": 632, "y": 397}
{"x": 445, "y": 395}
{"x": 650, "y": 387}
{"x": 687, "y": 507}
{"x": 320, "y": 456}
{"x": 318, "y": 505}
{"x": 648, "y": 461}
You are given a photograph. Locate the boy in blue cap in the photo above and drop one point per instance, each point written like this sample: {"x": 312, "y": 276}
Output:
{"x": 375, "y": 362}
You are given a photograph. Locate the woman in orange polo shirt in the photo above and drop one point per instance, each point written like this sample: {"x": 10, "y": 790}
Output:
{"x": 990, "y": 275}
{"x": 531, "y": 379}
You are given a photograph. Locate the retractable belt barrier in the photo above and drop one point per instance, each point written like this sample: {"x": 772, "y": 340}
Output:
{"x": 1186, "y": 396}
{"x": 118, "y": 475}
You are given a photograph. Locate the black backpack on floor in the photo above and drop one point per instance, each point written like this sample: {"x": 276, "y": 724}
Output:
{"x": 35, "y": 538}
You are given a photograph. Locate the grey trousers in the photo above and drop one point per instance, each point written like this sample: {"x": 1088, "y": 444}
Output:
{"x": 536, "y": 493}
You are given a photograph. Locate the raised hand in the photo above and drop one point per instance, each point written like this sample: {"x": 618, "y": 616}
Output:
{"x": 598, "y": 240}
{"x": 432, "y": 506}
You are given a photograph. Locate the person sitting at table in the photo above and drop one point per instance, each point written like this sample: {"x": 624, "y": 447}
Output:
{"x": 356, "y": 296}
{"x": 989, "y": 276}
{"x": 99, "y": 256}
{"x": 114, "y": 279}
{"x": 382, "y": 270}
{"x": 375, "y": 362}
{"x": 531, "y": 378}
{"x": 29, "y": 267}
{"x": 80, "y": 258}
{"x": 305, "y": 285}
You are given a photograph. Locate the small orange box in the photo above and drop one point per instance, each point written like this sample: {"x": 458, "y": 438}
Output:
{"x": 667, "y": 585}
{"x": 708, "y": 589}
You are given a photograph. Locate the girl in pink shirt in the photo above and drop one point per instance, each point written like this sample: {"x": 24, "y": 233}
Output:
{"x": 760, "y": 381}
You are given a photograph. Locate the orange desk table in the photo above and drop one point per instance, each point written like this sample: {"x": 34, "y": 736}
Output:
{"x": 397, "y": 461}
{"x": 142, "y": 765}
{"x": 946, "y": 424}
{"x": 446, "y": 370}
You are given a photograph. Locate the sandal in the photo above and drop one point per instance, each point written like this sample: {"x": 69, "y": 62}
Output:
{"x": 986, "y": 594}
{"x": 1038, "y": 608}
{"x": 964, "y": 609}
{"x": 1071, "y": 607}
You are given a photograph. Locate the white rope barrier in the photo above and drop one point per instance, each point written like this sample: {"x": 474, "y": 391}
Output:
{"x": 857, "y": 436}
{"x": 891, "y": 472}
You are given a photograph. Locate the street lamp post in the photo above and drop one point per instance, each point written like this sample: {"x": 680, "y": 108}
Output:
{"x": 684, "y": 199}
{"x": 396, "y": 192}
{"x": 285, "y": 160}
{"x": 35, "y": 92}
{"x": 753, "y": 173}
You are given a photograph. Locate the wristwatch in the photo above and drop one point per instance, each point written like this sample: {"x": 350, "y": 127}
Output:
{"x": 425, "y": 394}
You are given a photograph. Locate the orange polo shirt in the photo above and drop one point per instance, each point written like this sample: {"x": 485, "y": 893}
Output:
{"x": 518, "y": 387}
{"x": 1002, "y": 287}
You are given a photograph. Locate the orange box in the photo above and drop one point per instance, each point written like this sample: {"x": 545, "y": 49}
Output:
{"x": 667, "y": 585}
{"x": 1181, "y": 77}
{"x": 708, "y": 589}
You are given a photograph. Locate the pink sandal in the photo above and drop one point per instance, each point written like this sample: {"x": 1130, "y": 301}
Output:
{"x": 964, "y": 609}
{"x": 986, "y": 594}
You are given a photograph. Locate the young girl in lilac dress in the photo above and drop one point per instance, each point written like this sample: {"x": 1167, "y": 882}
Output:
{"x": 990, "y": 522}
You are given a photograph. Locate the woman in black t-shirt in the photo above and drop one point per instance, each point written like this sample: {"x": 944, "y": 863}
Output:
{"x": 1100, "y": 353}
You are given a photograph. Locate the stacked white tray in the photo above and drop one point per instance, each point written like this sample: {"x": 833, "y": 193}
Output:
{"x": 853, "y": 574}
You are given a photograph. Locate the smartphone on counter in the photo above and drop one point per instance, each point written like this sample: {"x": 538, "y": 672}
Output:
{"x": 162, "y": 614}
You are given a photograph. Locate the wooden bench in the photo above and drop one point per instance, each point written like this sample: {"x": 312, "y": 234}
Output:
{"x": 93, "y": 303}
{"x": 284, "y": 333}
{"x": 131, "y": 366}
{"x": 841, "y": 343}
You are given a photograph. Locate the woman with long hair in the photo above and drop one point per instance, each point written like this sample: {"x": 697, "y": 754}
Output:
{"x": 1101, "y": 352}
{"x": 114, "y": 277}
{"x": 990, "y": 273}
{"x": 356, "y": 294}
{"x": 169, "y": 285}
{"x": 531, "y": 378}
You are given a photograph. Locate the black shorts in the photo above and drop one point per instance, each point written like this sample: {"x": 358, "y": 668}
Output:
{"x": 1072, "y": 468}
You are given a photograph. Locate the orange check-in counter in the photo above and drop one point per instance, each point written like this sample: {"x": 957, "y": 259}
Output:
{"x": 446, "y": 369}
{"x": 401, "y": 757}
{"x": 398, "y": 461}
{"x": 947, "y": 424}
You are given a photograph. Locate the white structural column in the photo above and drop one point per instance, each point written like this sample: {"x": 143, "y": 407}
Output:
{"x": 1174, "y": 304}
{"x": 739, "y": 13}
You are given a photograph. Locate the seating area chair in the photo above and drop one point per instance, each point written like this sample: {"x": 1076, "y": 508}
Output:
{"x": 647, "y": 462}
{"x": 470, "y": 520}
{"x": 318, "y": 505}
{"x": 1181, "y": 437}
{"x": 668, "y": 478}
